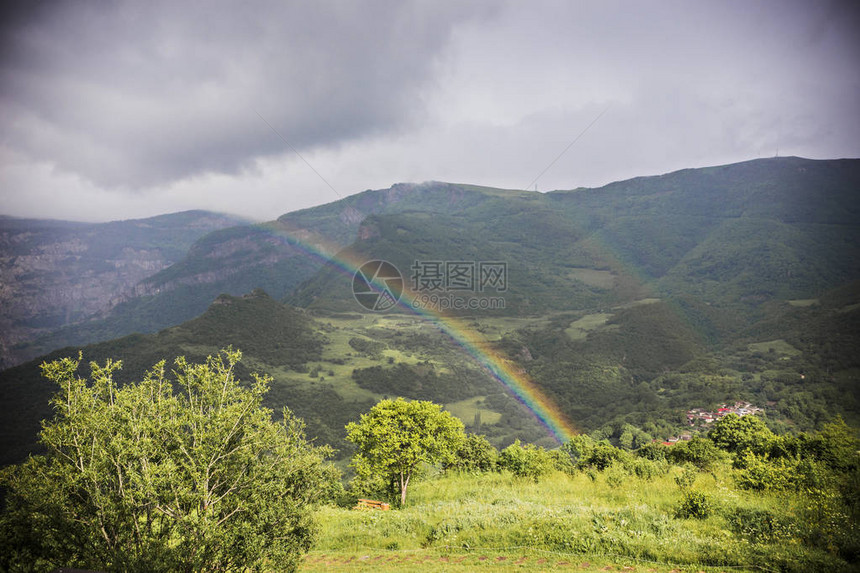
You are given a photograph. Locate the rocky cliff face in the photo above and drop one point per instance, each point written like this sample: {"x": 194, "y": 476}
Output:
{"x": 56, "y": 273}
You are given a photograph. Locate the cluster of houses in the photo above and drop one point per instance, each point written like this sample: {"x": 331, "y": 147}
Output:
{"x": 706, "y": 417}
{"x": 739, "y": 408}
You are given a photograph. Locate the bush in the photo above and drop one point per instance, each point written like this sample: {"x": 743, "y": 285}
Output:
{"x": 760, "y": 473}
{"x": 602, "y": 455}
{"x": 653, "y": 451}
{"x": 526, "y": 460}
{"x": 695, "y": 504}
{"x": 476, "y": 454}
{"x": 371, "y": 348}
{"x": 701, "y": 452}
{"x": 646, "y": 469}
{"x": 578, "y": 447}
{"x": 561, "y": 461}
{"x": 615, "y": 476}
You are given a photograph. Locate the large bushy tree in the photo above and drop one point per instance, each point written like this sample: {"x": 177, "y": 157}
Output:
{"x": 182, "y": 474}
{"x": 398, "y": 436}
{"x": 740, "y": 434}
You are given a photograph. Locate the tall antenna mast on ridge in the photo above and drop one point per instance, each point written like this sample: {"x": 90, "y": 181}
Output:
{"x": 534, "y": 181}
{"x": 778, "y": 135}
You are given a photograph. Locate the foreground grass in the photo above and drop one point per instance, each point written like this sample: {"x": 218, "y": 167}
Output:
{"x": 499, "y": 522}
{"x": 428, "y": 561}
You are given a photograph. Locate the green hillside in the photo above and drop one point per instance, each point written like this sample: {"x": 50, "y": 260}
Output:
{"x": 732, "y": 236}
{"x": 57, "y": 274}
{"x": 327, "y": 369}
{"x": 627, "y": 305}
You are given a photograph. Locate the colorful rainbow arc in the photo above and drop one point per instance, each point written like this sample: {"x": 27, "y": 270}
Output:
{"x": 503, "y": 370}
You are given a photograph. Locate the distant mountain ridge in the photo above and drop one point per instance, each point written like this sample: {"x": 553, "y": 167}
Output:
{"x": 748, "y": 232}
{"x": 739, "y": 234}
{"x": 57, "y": 273}
{"x": 625, "y": 304}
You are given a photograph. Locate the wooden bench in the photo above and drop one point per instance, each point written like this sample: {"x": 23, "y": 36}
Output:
{"x": 372, "y": 504}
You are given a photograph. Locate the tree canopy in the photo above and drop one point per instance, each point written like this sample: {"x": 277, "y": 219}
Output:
{"x": 398, "y": 436}
{"x": 189, "y": 474}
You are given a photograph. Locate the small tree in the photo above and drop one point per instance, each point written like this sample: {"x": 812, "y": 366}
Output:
{"x": 154, "y": 476}
{"x": 475, "y": 454}
{"x": 738, "y": 434}
{"x": 526, "y": 460}
{"x": 397, "y": 437}
{"x": 701, "y": 452}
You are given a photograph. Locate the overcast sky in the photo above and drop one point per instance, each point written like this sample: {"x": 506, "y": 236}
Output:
{"x": 130, "y": 109}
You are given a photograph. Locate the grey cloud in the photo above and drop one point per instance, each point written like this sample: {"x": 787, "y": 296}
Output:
{"x": 162, "y": 96}
{"x": 143, "y": 93}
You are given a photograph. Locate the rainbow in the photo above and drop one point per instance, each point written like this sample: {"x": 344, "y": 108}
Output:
{"x": 507, "y": 373}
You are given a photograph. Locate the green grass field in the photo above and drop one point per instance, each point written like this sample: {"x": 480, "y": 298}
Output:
{"x": 603, "y": 521}
{"x": 779, "y": 346}
{"x": 580, "y": 328}
{"x": 466, "y": 410}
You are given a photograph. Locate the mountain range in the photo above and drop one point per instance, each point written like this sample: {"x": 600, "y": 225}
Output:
{"x": 626, "y": 304}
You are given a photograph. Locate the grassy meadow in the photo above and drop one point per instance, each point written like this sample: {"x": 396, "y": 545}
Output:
{"x": 584, "y": 521}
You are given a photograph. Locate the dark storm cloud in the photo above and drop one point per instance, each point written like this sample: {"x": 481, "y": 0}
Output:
{"x": 99, "y": 100}
{"x": 142, "y": 93}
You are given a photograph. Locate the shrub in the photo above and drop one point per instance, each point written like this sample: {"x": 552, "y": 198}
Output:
{"x": 476, "y": 454}
{"x": 371, "y": 348}
{"x": 615, "y": 476}
{"x": 646, "y": 469}
{"x": 701, "y": 452}
{"x": 695, "y": 504}
{"x": 760, "y": 473}
{"x": 561, "y": 461}
{"x": 578, "y": 447}
{"x": 526, "y": 460}
{"x": 602, "y": 455}
{"x": 652, "y": 451}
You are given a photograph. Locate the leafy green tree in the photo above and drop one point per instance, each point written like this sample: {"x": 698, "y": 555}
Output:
{"x": 526, "y": 460}
{"x": 397, "y": 437}
{"x": 191, "y": 475}
{"x": 475, "y": 454}
{"x": 701, "y": 452}
{"x": 837, "y": 446}
{"x": 739, "y": 434}
{"x": 588, "y": 453}
{"x": 579, "y": 446}
{"x": 603, "y": 455}
{"x": 625, "y": 440}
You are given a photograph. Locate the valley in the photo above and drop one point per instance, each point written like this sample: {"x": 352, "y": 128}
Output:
{"x": 625, "y": 306}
